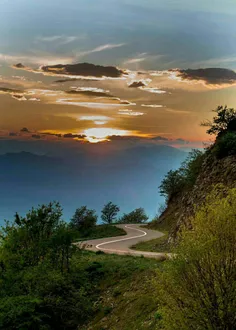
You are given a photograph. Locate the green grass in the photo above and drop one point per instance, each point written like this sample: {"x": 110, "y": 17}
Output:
{"x": 155, "y": 245}
{"x": 126, "y": 298}
{"x": 101, "y": 231}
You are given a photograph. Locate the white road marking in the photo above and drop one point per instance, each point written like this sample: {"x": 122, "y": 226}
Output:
{"x": 120, "y": 240}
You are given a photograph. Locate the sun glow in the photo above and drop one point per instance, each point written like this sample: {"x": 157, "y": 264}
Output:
{"x": 95, "y": 135}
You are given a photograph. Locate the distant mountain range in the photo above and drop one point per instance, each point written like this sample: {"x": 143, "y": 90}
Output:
{"x": 128, "y": 177}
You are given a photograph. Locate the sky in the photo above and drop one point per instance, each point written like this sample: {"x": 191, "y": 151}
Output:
{"x": 145, "y": 99}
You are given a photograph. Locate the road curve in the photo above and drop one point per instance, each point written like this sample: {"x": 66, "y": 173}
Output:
{"x": 121, "y": 244}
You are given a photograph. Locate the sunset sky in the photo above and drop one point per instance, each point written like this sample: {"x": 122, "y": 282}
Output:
{"x": 149, "y": 102}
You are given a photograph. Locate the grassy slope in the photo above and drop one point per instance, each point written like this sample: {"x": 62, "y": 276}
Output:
{"x": 158, "y": 244}
{"x": 126, "y": 299}
{"x": 102, "y": 231}
{"x": 155, "y": 245}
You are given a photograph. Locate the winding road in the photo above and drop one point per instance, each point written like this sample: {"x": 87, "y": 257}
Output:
{"x": 121, "y": 244}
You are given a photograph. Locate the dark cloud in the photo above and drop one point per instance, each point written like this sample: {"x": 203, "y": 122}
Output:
{"x": 11, "y": 90}
{"x": 137, "y": 84}
{"x": 19, "y": 66}
{"x": 125, "y": 102}
{"x": 210, "y": 75}
{"x": 53, "y": 134}
{"x": 36, "y": 136}
{"x": 159, "y": 138}
{"x": 89, "y": 93}
{"x": 84, "y": 69}
{"x": 72, "y": 136}
{"x": 16, "y": 96}
{"x": 25, "y": 130}
{"x": 74, "y": 79}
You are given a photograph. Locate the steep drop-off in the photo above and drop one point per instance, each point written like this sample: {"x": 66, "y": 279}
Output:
{"x": 180, "y": 208}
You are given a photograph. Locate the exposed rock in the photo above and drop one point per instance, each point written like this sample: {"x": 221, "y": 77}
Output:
{"x": 182, "y": 206}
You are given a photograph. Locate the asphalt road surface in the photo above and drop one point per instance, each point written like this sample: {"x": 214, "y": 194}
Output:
{"x": 121, "y": 244}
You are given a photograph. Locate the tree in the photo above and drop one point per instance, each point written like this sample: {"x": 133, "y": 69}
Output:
{"x": 197, "y": 287}
{"x": 136, "y": 216}
{"x": 109, "y": 213}
{"x": 171, "y": 184}
{"x": 224, "y": 120}
{"x": 84, "y": 219}
{"x": 225, "y": 146}
{"x": 191, "y": 167}
{"x": 26, "y": 241}
{"x": 177, "y": 180}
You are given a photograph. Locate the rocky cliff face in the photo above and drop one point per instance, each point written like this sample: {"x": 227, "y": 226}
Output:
{"x": 181, "y": 207}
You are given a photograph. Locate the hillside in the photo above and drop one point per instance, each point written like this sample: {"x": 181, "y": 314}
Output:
{"x": 216, "y": 165}
{"x": 181, "y": 207}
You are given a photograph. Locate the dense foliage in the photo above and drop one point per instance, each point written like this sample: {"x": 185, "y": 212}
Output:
{"x": 136, "y": 216}
{"x": 225, "y": 120}
{"x": 47, "y": 283}
{"x": 84, "y": 220}
{"x": 109, "y": 213}
{"x": 38, "y": 285}
{"x": 197, "y": 288}
{"x": 185, "y": 177}
{"x": 225, "y": 146}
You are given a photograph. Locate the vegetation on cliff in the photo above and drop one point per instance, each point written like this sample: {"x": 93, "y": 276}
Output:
{"x": 197, "y": 288}
{"x": 187, "y": 187}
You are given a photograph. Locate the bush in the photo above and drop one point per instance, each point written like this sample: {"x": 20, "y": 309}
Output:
{"x": 225, "y": 120}
{"x": 136, "y": 216}
{"x": 185, "y": 177}
{"x": 191, "y": 166}
{"x": 38, "y": 288}
{"x": 197, "y": 288}
{"x": 172, "y": 183}
{"x": 225, "y": 146}
{"x": 109, "y": 213}
{"x": 84, "y": 220}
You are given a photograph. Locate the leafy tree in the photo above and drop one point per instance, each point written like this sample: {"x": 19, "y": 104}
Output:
{"x": 109, "y": 213}
{"x": 224, "y": 120}
{"x": 184, "y": 177}
{"x": 171, "y": 184}
{"x": 191, "y": 167}
{"x": 136, "y": 216}
{"x": 197, "y": 287}
{"x": 84, "y": 219}
{"x": 225, "y": 146}
{"x": 27, "y": 240}
{"x": 61, "y": 248}
{"x": 39, "y": 287}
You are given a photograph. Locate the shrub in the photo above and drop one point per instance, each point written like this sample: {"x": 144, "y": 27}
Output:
{"x": 84, "y": 220}
{"x": 136, "y": 216}
{"x": 192, "y": 165}
{"x": 185, "y": 177}
{"x": 172, "y": 183}
{"x": 225, "y": 146}
{"x": 109, "y": 213}
{"x": 224, "y": 120}
{"x": 197, "y": 288}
